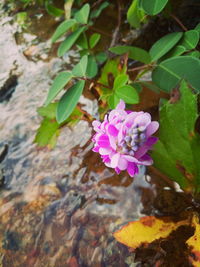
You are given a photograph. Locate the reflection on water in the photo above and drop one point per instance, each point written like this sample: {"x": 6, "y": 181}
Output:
{"x": 57, "y": 222}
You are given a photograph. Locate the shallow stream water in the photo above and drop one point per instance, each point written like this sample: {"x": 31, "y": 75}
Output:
{"x": 58, "y": 207}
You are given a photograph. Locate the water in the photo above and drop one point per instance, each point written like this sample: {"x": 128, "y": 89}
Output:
{"x": 60, "y": 207}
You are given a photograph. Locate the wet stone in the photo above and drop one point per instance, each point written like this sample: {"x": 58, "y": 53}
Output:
{"x": 169, "y": 202}
{"x": 3, "y": 154}
{"x": 2, "y": 177}
{"x": 7, "y": 87}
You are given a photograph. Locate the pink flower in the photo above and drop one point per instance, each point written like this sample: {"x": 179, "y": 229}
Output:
{"x": 124, "y": 138}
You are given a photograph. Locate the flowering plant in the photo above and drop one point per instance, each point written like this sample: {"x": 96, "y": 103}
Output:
{"x": 124, "y": 138}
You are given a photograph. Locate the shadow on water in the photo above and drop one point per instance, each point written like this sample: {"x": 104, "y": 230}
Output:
{"x": 60, "y": 207}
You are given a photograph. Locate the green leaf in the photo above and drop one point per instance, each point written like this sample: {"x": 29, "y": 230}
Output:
{"x": 167, "y": 75}
{"x": 197, "y": 28}
{"x": 69, "y": 41}
{"x": 54, "y": 11}
{"x": 128, "y": 94}
{"x": 47, "y": 133}
{"x": 81, "y": 16}
{"x": 183, "y": 113}
{"x": 49, "y": 111}
{"x": 135, "y": 14}
{"x": 49, "y": 129}
{"x": 111, "y": 70}
{"x": 166, "y": 165}
{"x": 135, "y": 53}
{"x": 175, "y": 51}
{"x": 26, "y": 1}
{"x": 190, "y": 39}
{"x": 68, "y": 101}
{"x": 113, "y": 100}
{"x": 58, "y": 84}
{"x": 94, "y": 39}
{"x": 62, "y": 29}
{"x": 96, "y": 12}
{"x": 92, "y": 67}
{"x": 120, "y": 81}
{"x": 150, "y": 85}
{"x": 79, "y": 69}
{"x": 75, "y": 117}
{"x": 194, "y": 54}
{"x": 163, "y": 45}
{"x": 153, "y": 7}
{"x": 137, "y": 86}
{"x": 82, "y": 41}
{"x": 195, "y": 145}
{"x": 22, "y": 19}
{"x": 84, "y": 52}
{"x": 101, "y": 57}
{"x": 174, "y": 153}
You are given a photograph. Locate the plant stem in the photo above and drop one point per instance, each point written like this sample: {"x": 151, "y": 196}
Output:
{"x": 140, "y": 67}
{"x": 92, "y": 81}
{"x": 96, "y": 3}
{"x": 179, "y": 22}
{"x": 117, "y": 29}
{"x": 100, "y": 31}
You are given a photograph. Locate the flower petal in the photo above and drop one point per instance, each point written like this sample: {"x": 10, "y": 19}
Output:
{"x": 95, "y": 149}
{"x": 116, "y": 116}
{"x": 105, "y": 144}
{"x": 143, "y": 119}
{"x": 96, "y": 123}
{"x": 152, "y": 128}
{"x": 110, "y": 138}
{"x": 117, "y": 170}
{"x": 130, "y": 119}
{"x": 131, "y": 159}
{"x": 97, "y": 126}
{"x": 107, "y": 164}
{"x": 122, "y": 163}
{"x": 120, "y": 136}
{"x": 132, "y": 169}
{"x": 121, "y": 105}
{"x": 151, "y": 141}
{"x": 146, "y": 160}
{"x": 141, "y": 151}
{"x": 105, "y": 158}
{"x": 103, "y": 141}
{"x": 145, "y": 147}
{"x": 115, "y": 160}
{"x": 112, "y": 130}
{"x": 104, "y": 151}
{"x": 112, "y": 142}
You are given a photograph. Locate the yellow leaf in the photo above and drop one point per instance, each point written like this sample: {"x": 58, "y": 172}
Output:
{"x": 146, "y": 230}
{"x": 194, "y": 242}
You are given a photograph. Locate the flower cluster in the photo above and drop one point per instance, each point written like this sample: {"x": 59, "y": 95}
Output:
{"x": 124, "y": 138}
